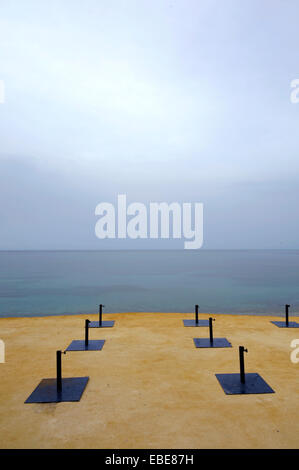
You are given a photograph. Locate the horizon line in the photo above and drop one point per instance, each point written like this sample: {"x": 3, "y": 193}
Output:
{"x": 142, "y": 249}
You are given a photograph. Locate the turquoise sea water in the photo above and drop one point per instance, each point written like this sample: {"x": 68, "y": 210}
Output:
{"x": 221, "y": 281}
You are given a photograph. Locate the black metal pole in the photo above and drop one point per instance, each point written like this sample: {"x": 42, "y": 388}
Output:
{"x": 211, "y": 329}
{"x": 58, "y": 369}
{"x": 242, "y": 368}
{"x": 196, "y": 314}
{"x": 287, "y": 315}
{"x": 100, "y": 314}
{"x": 86, "y": 332}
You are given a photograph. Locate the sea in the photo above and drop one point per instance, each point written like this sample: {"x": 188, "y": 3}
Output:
{"x": 254, "y": 282}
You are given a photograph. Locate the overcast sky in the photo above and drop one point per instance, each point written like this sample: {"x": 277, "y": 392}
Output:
{"x": 162, "y": 100}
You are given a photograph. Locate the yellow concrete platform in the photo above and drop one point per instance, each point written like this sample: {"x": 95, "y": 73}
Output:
{"x": 149, "y": 387}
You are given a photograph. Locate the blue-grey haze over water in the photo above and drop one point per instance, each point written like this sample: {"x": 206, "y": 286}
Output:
{"x": 34, "y": 283}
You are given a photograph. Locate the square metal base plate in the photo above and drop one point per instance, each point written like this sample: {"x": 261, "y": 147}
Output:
{"x": 46, "y": 391}
{"x": 192, "y": 323}
{"x": 282, "y": 324}
{"x": 232, "y": 385}
{"x": 93, "y": 345}
{"x": 105, "y": 324}
{"x": 206, "y": 343}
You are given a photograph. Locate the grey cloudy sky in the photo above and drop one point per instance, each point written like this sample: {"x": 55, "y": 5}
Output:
{"x": 161, "y": 100}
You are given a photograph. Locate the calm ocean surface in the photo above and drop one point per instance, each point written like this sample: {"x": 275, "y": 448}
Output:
{"x": 71, "y": 282}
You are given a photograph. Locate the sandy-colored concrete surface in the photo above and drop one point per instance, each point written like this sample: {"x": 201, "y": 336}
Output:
{"x": 149, "y": 387}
